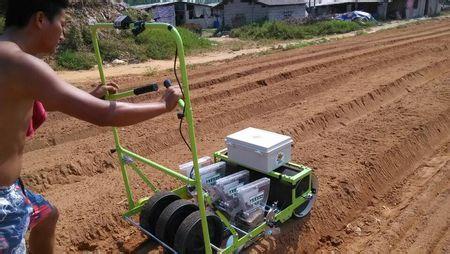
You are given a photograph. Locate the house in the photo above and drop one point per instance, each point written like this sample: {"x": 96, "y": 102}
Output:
{"x": 380, "y": 9}
{"x": 235, "y": 13}
{"x": 420, "y": 8}
{"x": 181, "y": 13}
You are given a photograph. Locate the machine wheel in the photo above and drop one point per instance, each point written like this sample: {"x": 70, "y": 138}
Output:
{"x": 153, "y": 209}
{"x": 171, "y": 218}
{"x": 303, "y": 210}
{"x": 189, "y": 236}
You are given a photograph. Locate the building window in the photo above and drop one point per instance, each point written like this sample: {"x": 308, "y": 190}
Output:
{"x": 197, "y": 12}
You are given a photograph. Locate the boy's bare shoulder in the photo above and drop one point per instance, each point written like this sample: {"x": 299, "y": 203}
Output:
{"x": 16, "y": 62}
{"x": 10, "y": 51}
{"x": 12, "y": 58}
{"x": 19, "y": 69}
{"x": 9, "y": 56}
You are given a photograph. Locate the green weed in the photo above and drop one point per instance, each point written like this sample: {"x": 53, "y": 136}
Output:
{"x": 75, "y": 60}
{"x": 150, "y": 71}
{"x": 160, "y": 44}
{"x": 286, "y": 31}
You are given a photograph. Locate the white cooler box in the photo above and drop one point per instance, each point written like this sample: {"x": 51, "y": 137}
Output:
{"x": 259, "y": 149}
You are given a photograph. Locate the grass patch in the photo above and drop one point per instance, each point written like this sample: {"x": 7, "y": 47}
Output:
{"x": 358, "y": 33}
{"x": 76, "y": 52}
{"x": 402, "y": 26}
{"x": 150, "y": 71}
{"x": 159, "y": 44}
{"x": 122, "y": 48}
{"x": 237, "y": 46}
{"x": 75, "y": 60}
{"x": 286, "y": 31}
{"x": 301, "y": 44}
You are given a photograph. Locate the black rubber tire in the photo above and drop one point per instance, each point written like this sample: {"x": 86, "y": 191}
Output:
{"x": 153, "y": 209}
{"x": 171, "y": 218}
{"x": 189, "y": 236}
{"x": 304, "y": 209}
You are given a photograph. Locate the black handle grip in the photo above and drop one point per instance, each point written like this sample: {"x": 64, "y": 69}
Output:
{"x": 146, "y": 89}
{"x": 167, "y": 83}
{"x": 122, "y": 22}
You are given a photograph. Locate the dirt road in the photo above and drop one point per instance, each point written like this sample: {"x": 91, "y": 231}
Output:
{"x": 225, "y": 52}
{"x": 371, "y": 115}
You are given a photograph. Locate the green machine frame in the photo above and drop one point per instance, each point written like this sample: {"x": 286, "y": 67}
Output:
{"x": 127, "y": 158}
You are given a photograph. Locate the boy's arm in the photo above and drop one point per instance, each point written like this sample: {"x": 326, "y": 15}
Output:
{"x": 43, "y": 84}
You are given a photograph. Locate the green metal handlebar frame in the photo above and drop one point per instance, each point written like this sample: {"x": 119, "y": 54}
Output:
{"x": 186, "y": 104}
{"x": 127, "y": 157}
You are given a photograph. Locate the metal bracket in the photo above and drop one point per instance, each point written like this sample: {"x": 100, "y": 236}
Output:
{"x": 139, "y": 27}
{"x": 127, "y": 160}
{"x": 132, "y": 222}
{"x": 270, "y": 217}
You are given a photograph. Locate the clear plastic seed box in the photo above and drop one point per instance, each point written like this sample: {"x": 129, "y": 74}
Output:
{"x": 187, "y": 167}
{"x": 253, "y": 198}
{"x": 225, "y": 190}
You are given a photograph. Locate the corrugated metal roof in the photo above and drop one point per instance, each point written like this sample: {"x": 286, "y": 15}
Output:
{"x": 281, "y": 2}
{"x": 332, "y": 2}
{"x": 147, "y": 6}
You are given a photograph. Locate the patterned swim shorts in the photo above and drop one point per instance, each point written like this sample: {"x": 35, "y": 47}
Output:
{"x": 20, "y": 210}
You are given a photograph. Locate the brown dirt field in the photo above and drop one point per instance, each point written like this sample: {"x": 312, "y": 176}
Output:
{"x": 370, "y": 114}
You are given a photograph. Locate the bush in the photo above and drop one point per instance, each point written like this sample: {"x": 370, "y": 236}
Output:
{"x": 111, "y": 50}
{"x": 75, "y": 60}
{"x": 73, "y": 40}
{"x": 285, "y": 31}
{"x": 137, "y": 15}
{"x": 160, "y": 44}
{"x": 2, "y": 24}
{"x": 86, "y": 35}
{"x": 195, "y": 28}
{"x": 124, "y": 48}
{"x": 155, "y": 44}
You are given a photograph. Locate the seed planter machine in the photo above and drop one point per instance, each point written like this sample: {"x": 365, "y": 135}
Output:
{"x": 229, "y": 200}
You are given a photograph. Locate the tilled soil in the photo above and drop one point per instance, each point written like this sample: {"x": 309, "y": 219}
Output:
{"x": 370, "y": 114}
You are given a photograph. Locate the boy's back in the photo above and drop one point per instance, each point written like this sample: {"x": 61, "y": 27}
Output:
{"x": 15, "y": 114}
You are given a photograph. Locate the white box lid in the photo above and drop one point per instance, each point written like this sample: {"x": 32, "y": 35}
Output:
{"x": 257, "y": 139}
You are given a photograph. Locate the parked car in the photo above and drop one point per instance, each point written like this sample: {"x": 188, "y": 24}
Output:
{"x": 354, "y": 16}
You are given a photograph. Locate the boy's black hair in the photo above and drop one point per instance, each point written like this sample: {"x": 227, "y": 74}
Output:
{"x": 19, "y": 12}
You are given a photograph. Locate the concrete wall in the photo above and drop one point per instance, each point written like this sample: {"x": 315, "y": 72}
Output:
{"x": 423, "y": 8}
{"x": 420, "y": 8}
{"x": 382, "y": 11}
{"x": 237, "y": 13}
{"x": 206, "y": 22}
{"x": 286, "y": 12}
{"x": 434, "y": 8}
{"x": 166, "y": 13}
